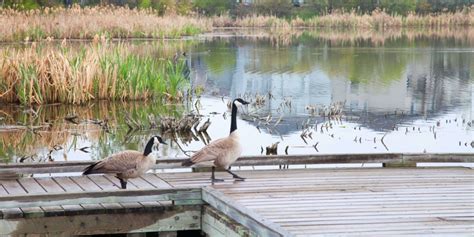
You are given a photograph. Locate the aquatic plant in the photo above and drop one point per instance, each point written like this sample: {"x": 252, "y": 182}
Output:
{"x": 45, "y": 74}
{"x": 29, "y": 134}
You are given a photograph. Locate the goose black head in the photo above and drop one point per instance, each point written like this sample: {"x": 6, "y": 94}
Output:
{"x": 158, "y": 139}
{"x": 153, "y": 140}
{"x": 241, "y": 101}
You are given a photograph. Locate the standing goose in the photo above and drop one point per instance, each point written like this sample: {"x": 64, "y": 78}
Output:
{"x": 223, "y": 151}
{"x": 126, "y": 164}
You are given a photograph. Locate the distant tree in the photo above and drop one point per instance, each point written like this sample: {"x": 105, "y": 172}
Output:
{"x": 449, "y": 5}
{"x": 423, "y": 7}
{"x": 144, "y": 3}
{"x": 401, "y": 6}
{"x": 23, "y": 4}
{"x": 212, "y": 7}
{"x": 280, "y": 8}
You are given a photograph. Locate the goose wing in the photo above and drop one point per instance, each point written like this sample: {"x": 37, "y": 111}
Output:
{"x": 118, "y": 163}
{"x": 212, "y": 151}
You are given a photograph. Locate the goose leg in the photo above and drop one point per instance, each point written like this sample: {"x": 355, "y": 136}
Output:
{"x": 213, "y": 177}
{"x": 235, "y": 176}
{"x": 123, "y": 183}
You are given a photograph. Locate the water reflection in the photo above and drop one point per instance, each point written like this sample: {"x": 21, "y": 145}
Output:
{"x": 414, "y": 90}
{"x": 31, "y": 134}
{"x": 419, "y": 78}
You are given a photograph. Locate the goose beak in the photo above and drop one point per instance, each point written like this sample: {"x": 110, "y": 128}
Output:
{"x": 164, "y": 143}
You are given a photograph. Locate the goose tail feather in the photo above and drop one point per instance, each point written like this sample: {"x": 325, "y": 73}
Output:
{"x": 187, "y": 162}
{"x": 90, "y": 169}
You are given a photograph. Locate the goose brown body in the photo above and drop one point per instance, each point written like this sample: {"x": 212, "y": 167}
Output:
{"x": 224, "y": 151}
{"x": 126, "y": 164}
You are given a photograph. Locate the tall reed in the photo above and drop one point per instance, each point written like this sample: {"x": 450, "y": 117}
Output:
{"x": 39, "y": 75}
{"x": 85, "y": 23}
{"x": 123, "y": 22}
{"x": 378, "y": 19}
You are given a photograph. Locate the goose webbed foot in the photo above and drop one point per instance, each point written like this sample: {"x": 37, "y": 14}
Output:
{"x": 235, "y": 176}
{"x": 214, "y": 180}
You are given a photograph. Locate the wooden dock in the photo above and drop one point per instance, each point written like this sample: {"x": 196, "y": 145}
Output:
{"x": 290, "y": 202}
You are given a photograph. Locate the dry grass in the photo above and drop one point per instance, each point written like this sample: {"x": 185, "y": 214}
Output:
{"x": 339, "y": 19}
{"x": 85, "y": 23}
{"x": 49, "y": 74}
{"x": 122, "y": 22}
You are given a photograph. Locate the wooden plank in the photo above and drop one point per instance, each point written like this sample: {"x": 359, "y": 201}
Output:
{"x": 32, "y": 212}
{"x": 359, "y": 219}
{"x": 356, "y": 211}
{"x": 100, "y": 197}
{"x": 11, "y": 213}
{"x": 140, "y": 183}
{"x": 242, "y": 215}
{"x": 380, "y": 199}
{"x": 214, "y": 223}
{"x": 92, "y": 208}
{"x": 116, "y": 182}
{"x": 52, "y": 210}
{"x": 351, "y": 206}
{"x": 85, "y": 183}
{"x": 3, "y": 191}
{"x": 132, "y": 207}
{"x": 13, "y": 187}
{"x": 167, "y": 163}
{"x": 112, "y": 208}
{"x": 72, "y": 210}
{"x": 360, "y": 227}
{"x": 67, "y": 184}
{"x": 434, "y": 157}
{"x": 50, "y": 185}
{"x": 314, "y": 195}
{"x": 156, "y": 181}
{"x": 103, "y": 182}
{"x": 152, "y": 205}
{"x": 174, "y": 218}
{"x": 31, "y": 186}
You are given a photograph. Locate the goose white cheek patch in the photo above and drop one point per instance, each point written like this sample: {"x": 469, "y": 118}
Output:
{"x": 237, "y": 103}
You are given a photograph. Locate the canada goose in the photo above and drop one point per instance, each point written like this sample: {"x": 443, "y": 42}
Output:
{"x": 223, "y": 151}
{"x": 126, "y": 164}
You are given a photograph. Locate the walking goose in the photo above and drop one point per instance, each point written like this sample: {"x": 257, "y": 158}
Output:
{"x": 223, "y": 151}
{"x": 126, "y": 164}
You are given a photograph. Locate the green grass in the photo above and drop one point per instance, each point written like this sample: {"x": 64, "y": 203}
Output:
{"x": 95, "y": 72}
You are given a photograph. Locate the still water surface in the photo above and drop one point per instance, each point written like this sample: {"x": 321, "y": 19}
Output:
{"x": 415, "y": 92}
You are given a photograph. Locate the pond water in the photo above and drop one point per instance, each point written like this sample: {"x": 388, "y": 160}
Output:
{"x": 414, "y": 91}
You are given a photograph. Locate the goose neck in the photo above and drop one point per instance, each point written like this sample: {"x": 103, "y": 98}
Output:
{"x": 233, "y": 122}
{"x": 148, "y": 147}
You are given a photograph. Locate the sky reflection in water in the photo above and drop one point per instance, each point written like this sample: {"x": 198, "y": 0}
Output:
{"x": 400, "y": 89}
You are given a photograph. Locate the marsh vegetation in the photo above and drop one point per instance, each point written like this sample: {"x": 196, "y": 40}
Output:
{"x": 51, "y": 73}
{"x": 124, "y": 22}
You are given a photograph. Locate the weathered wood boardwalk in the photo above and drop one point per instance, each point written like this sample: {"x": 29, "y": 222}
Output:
{"x": 294, "y": 202}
